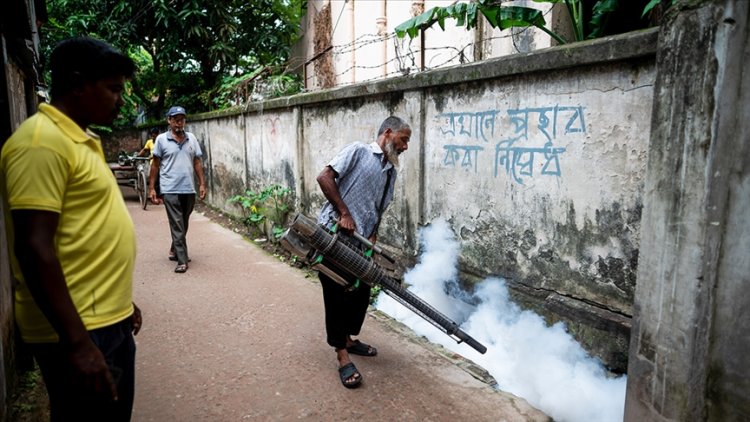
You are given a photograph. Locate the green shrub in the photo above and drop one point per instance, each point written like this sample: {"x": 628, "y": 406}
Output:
{"x": 266, "y": 210}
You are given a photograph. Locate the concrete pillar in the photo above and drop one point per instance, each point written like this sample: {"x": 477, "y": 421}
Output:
{"x": 381, "y": 22}
{"x": 352, "y": 36}
{"x": 690, "y": 343}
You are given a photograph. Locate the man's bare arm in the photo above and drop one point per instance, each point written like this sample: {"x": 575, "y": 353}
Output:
{"x": 152, "y": 175}
{"x": 198, "y": 166}
{"x": 327, "y": 182}
{"x": 34, "y": 237}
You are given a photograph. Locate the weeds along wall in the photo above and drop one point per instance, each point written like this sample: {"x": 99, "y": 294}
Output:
{"x": 536, "y": 160}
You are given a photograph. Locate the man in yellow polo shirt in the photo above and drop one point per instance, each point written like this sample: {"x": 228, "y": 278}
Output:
{"x": 148, "y": 150}
{"x": 73, "y": 239}
{"x": 148, "y": 147}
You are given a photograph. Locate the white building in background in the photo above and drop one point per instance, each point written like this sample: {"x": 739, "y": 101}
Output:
{"x": 351, "y": 41}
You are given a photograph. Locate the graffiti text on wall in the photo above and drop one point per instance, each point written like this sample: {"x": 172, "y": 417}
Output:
{"x": 530, "y": 132}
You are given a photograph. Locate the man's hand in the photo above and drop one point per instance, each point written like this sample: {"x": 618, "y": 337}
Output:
{"x": 346, "y": 223}
{"x": 153, "y": 197}
{"x": 136, "y": 319}
{"x": 90, "y": 370}
{"x": 202, "y": 191}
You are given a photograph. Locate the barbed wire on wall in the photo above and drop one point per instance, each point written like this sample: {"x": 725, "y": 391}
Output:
{"x": 405, "y": 59}
{"x": 363, "y": 41}
{"x": 404, "y": 62}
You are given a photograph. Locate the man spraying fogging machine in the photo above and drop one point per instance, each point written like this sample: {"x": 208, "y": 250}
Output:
{"x": 358, "y": 185}
{"x": 331, "y": 254}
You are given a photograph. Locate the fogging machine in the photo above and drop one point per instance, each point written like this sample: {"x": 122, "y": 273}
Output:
{"x": 339, "y": 259}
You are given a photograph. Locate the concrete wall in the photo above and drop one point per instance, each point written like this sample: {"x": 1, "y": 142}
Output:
{"x": 129, "y": 141}
{"x": 689, "y": 351}
{"x": 541, "y": 178}
{"x": 536, "y": 160}
{"x": 249, "y": 151}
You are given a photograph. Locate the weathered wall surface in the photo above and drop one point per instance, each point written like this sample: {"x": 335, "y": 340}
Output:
{"x": 536, "y": 160}
{"x": 18, "y": 107}
{"x": 689, "y": 350}
{"x": 129, "y": 141}
{"x": 18, "y": 67}
{"x": 541, "y": 178}
{"x": 224, "y": 148}
{"x": 249, "y": 151}
{"x": 328, "y": 127}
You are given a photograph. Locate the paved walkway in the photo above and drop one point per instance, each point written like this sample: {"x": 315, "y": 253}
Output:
{"x": 240, "y": 336}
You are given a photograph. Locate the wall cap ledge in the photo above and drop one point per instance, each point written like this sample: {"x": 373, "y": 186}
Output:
{"x": 632, "y": 45}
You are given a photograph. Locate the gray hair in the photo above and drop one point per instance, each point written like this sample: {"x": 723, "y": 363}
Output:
{"x": 393, "y": 123}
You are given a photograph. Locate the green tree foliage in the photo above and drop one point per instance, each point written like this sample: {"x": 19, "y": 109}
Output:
{"x": 185, "y": 49}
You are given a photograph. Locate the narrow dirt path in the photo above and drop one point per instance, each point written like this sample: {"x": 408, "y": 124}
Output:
{"x": 240, "y": 336}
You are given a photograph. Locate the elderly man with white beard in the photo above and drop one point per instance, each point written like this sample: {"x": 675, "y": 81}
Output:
{"x": 358, "y": 185}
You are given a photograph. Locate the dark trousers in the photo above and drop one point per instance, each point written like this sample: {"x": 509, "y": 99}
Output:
{"x": 345, "y": 310}
{"x": 68, "y": 402}
{"x": 179, "y": 207}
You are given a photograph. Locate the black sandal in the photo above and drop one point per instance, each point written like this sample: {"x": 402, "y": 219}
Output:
{"x": 348, "y": 371}
{"x": 362, "y": 349}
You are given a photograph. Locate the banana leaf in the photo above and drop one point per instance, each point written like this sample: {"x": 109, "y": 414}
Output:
{"x": 467, "y": 14}
{"x": 600, "y": 15}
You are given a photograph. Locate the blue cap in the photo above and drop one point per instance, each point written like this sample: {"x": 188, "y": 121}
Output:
{"x": 175, "y": 111}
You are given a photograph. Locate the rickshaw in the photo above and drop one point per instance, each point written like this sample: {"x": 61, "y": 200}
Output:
{"x": 132, "y": 171}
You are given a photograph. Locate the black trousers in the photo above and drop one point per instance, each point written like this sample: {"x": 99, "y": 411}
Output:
{"x": 345, "y": 310}
{"x": 179, "y": 207}
{"x": 68, "y": 402}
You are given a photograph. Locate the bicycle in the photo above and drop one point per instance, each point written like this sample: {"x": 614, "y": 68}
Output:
{"x": 141, "y": 182}
{"x": 133, "y": 171}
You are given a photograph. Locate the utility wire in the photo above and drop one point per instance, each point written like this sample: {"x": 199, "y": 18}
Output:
{"x": 339, "y": 18}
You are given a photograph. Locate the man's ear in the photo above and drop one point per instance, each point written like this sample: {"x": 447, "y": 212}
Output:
{"x": 77, "y": 82}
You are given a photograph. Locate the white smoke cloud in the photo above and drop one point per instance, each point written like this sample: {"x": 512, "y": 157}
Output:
{"x": 542, "y": 364}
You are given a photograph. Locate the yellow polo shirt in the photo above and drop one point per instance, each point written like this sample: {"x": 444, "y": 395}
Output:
{"x": 150, "y": 147}
{"x": 51, "y": 164}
